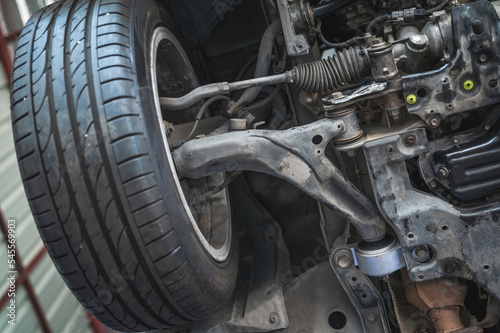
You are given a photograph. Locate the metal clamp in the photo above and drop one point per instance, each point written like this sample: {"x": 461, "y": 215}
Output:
{"x": 296, "y": 44}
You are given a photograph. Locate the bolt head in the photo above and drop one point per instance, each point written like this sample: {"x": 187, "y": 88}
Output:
{"x": 456, "y": 140}
{"x": 443, "y": 172}
{"x": 411, "y": 139}
{"x": 435, "y": 121}
{"x": 483, "y": 58}
{"x": 433, "y": 184}
{"x": 366, "y": 116}
{"x": 449, "y": 268}
{"x": 344, "y": 262}
{"x": 421, "y": 252}
{"x": 274, "y": 318}
{"x": 343, "y": 258}
{"x": 372, "y": 317}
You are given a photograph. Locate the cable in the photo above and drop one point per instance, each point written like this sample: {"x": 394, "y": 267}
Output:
{"x": 207, "y": 195}
{"x": 245, "y": 68}
{"x": 377, "y": 20}
{"x": 264, "y": 101}
{"x": 203, "y": 109}
{"x": 328, "y": 9}
{"x": 385, "y": 17}
{"x": 343, "y": 45}
{"x": 437, "y": 8}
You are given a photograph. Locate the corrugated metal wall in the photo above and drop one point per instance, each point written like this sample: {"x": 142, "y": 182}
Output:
{"x": 60, "y": 308}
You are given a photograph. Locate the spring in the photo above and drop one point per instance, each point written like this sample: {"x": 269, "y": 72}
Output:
{"x": 346, "y": 67}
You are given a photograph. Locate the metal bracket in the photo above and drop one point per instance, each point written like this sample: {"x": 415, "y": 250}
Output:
{"x": 262, "y": 308}
{"x": 361, "y": 292}
{"x": 296, "y": 44}
{"x": 296, "y": 155}
{"x": 363, "y": 91}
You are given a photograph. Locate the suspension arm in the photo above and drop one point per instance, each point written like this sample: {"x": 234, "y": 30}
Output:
{"x": 295, "y": 155}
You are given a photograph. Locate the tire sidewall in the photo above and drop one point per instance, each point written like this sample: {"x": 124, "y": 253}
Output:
{"x": 218, "y": 277}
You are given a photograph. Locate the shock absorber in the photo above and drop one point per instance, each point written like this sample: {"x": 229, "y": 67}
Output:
{"x": 346, "y": 67}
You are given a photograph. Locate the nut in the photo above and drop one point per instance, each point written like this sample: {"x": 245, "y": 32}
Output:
{"x": 468, "y": 85}
{"x": 411, "y": 99}
{"x": 337, "y": 95}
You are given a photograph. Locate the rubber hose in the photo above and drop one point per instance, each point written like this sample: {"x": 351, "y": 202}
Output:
{"x": 342, "y": 45}
{"x": 263, "y": 62}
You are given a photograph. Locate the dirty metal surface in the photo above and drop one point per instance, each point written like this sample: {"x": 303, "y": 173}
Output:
{"x": 296, "y": 155}
{"x": 363, "y": 294}
{"x": 476, "y": 55}
{"x": 463, "y": 242}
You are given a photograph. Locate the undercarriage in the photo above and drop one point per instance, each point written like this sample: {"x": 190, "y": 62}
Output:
{"x": 324, "y": 166}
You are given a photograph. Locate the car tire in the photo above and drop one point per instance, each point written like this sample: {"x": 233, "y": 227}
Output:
{"x": 119, "y": 225}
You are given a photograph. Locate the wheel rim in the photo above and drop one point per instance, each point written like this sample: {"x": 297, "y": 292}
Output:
{"x": 172, "y": 73}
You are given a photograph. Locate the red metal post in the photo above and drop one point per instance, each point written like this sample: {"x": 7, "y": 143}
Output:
{"x": 23, "y": 276}
{"x": 96, "y": 325}
{"x": 23, "y": 279}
